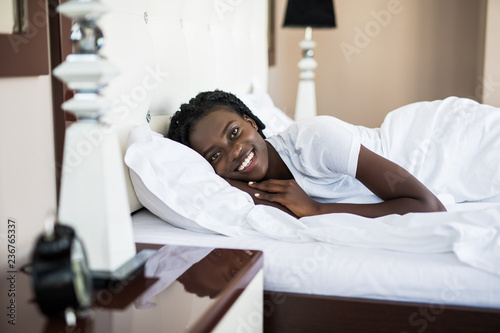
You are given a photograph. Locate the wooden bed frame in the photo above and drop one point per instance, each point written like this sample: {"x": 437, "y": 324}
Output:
{"x": 287, "y": 312}
{"x": 283, "y": 312}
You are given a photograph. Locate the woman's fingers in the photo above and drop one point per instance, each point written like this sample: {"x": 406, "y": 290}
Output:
{"x": 269, "y": 190}
{"x": 275, "y": 198}
{"x": 272, "y": 185}
{"x": 274, "y": 190}
{"x": 287, "y": 193}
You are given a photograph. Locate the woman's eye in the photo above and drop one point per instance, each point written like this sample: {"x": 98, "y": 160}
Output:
{"x": 214, "y": 157}
{"x": 234, "y": 132}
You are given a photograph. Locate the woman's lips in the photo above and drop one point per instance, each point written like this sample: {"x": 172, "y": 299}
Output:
{"x": 247, "y": 162}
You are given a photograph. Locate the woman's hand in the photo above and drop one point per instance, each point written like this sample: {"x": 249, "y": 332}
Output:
{"x": 287, "y": 193}
{"x": 244, "y": 186}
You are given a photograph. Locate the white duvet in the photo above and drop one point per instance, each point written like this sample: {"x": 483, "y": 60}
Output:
{"x": 451, "y": 145}
{"x": 473, "y": 235}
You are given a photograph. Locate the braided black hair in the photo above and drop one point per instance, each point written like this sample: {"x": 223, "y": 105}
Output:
{"x": 190, "y": 113}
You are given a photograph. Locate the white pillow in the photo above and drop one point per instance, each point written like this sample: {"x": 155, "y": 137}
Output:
{"x": 261, "y": 104}
{"x": 179, "y": 186}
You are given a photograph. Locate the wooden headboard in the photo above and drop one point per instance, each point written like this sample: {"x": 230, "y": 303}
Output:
{"x": 169, "y": 50}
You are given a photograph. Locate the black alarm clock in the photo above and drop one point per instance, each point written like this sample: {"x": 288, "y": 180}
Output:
{"x": 61, "y": 278}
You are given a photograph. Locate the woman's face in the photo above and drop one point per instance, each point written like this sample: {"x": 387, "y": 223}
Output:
{"x": 231, "y": 144}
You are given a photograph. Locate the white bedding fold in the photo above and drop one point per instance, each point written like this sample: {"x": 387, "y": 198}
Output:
{"x": 450, "y": 145}
{"x": 474, "y": 236}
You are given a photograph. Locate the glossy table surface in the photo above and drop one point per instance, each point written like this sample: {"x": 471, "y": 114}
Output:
{"x": 181, "y": 289}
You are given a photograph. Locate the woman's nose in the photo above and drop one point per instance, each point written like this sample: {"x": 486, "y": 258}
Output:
{"x": 236, "y": 152}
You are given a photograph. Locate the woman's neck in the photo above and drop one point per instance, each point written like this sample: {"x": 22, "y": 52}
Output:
{"x": 277, "y": 169}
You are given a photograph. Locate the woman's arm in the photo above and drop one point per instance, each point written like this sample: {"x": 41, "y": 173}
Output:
{"x": 402, "y": 193}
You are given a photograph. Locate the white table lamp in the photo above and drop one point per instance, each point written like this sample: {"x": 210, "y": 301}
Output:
{"x": 308, "y": 14}
{"x": 93, "y": 197}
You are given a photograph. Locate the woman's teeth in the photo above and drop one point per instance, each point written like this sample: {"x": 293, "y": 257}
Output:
{"x": 246, "y": 162}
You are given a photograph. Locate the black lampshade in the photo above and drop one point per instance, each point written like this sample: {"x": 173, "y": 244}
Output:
{"x": 310, "y": 13}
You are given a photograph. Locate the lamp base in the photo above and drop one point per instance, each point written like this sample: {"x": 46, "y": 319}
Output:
{"x": 305, "y": 106}
{"x": 93, "y": 196}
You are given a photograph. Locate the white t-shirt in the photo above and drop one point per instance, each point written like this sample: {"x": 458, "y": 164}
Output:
{"x": 322, "y": 155}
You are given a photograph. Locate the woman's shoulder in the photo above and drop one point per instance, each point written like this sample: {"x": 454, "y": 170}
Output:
{"x": 319, "y": 132}
{"x": 319, "y": 146}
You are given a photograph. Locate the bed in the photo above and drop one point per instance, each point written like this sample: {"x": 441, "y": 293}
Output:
{"x": 175, "y": 49}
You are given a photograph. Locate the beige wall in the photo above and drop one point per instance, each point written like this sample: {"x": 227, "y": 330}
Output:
{"x": 490, "y": 88}
{"x": 27, "y": 174}
{"x": 425, "y": 50}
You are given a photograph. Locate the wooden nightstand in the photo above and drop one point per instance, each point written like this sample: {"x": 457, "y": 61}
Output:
{"x": 182, "y": 289}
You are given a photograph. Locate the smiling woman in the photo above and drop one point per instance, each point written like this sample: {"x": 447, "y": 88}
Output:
{"x": 306, "y": 169}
